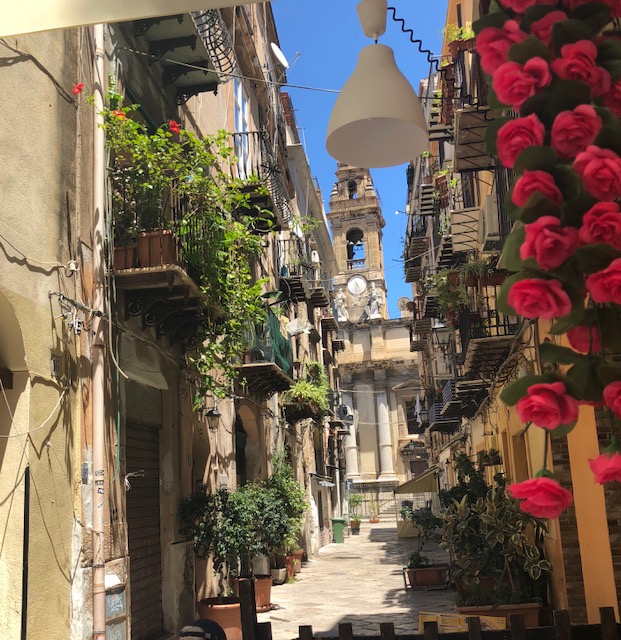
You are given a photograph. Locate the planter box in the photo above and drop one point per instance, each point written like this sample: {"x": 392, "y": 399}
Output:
{"x": 157, "y": 248}
{"x": 124, "y": 257}
{"x": 529, "y": 611}
{"x": 433, "y": 575}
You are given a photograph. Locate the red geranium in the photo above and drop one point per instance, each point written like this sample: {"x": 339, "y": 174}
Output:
{"x": 516, "y": 135}
{"x": 600, "y": 170}
{"x": 493, "y": 44}
{"x": 542, "y": 28}
{"x": 533, "y": 182}
{"x": 548, "y": 406}
{"x": 602, "y": 225}
{"x": 77, "y": 88}
{"x": 514, "y": 83}
{"x": 613, "y": 98}
{"x": 549, "y": 242}
{"x": 573, "y": 131}
{"x": 577, "y": 62}
{"x": 612, "y": 397}
{"x": 117, "y": 113}
{"x": 537, "y": 298}
{"x": 175, "y": 127}
{"x": 585, "y": 338}
{"x": 542, "y": 497}
{"x": 605, "y": 286}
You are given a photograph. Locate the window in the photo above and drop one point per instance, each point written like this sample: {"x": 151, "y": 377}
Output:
{"x": 352, "y": 189}
{"x": 356, "y": 258}
{"x": 242, "y": 141}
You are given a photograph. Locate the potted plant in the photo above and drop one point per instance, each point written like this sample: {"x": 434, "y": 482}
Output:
{"x": 490, "y": 458}
{"x": 374, "y": 510}
{"x": 421, "y": 572}
{"x": 496, "y": 552}
{"x": 355, "y": 501}
{"x": 459, "y": 38}
{"x": 308, "y": 396}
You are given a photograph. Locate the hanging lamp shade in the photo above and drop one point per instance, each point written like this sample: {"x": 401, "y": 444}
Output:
{"x": 377, "y": 120}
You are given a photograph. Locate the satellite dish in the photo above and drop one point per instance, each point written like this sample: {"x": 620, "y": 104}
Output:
{"x": 280, "y": 56}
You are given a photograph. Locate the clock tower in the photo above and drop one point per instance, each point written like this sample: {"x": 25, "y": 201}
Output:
{"x": 357, "y": 222}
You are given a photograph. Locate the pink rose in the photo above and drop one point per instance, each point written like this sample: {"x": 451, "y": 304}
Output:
{"x": 573, "y": 131}
{"x": 542, "y": 28}
{"x": 612, "y": 397}
{"x": 533, "y": 182}
{"x": 605, "y": 286}
{"x": 613, "y": 98}
{"x": 547, "y": 405}
{"x": 577, "y": 62}
{"x": 541, "y": 497}
{"x": 537, "y": 298}
{"x": 600, "y": 170}
{"x": 493, "y": 44}
{"x": 514, "y": 83}
{"x": 585, "y": 338}
{"x": 602, "y": 225}
{"x": 517, "y": 135}
{"x": 520, "y": 6}
{"x": 606, "y": 467}
{"x": 615, "y": 5}
{"x": 549, "y": 242}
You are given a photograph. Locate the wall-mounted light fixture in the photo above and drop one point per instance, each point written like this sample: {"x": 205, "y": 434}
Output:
{"x": 377, "y": 120}
{"x": 213, "y": 418}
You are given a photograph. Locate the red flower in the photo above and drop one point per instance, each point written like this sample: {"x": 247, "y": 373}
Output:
{"x": 577, "y": 62}
{"x": 517, "y": 135}
{"x": 514, "y": 83}
{"x": 606, "y": 467}
{"x": 77, "y": 88}
{"x": 605, "y": 286}
{"x": 573, "y": 131}
{"x": 520, "y": 6}
{"x": 600, "y": 170}
{"x": 612, "y": 397}
{"x": 613, "y": 98}
{"x": 537, "y": 298}
{"x": 117, "y": 113}
{"x": 542, "y": 497}
{"x": 533, "y": 182}
{"x": 542, "y": 28}
{"x": 548, "y": 242}
{"x": 602, "y": 225}
{"x": 585, "y": 338}
{"x": 615, "y": 5}
{"x": 175, "y": 127}
{"x": 548, "y": 406}
{"x": 493, "y": 44}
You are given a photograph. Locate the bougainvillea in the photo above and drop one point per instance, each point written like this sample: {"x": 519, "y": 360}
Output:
{"x": 554, "y": 73}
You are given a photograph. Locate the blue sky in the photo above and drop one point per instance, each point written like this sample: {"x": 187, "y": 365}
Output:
{"x": 328, "y": 35}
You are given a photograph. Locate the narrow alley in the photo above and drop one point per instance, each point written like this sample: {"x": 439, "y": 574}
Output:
{"x": 360, "y": 582}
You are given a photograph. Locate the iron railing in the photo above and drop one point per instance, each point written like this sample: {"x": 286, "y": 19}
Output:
{"x": 267, "y": 343}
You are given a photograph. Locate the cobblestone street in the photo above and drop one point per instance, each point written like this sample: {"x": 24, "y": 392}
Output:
{"x": 359, "y": 582}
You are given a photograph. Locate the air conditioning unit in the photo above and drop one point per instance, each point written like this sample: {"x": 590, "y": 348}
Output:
{"x": 315, "y": 259}
{"x": 345, "y": 413}
{"x": 489, "y": 226}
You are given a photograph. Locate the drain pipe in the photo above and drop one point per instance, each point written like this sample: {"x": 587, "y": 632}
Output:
{"x": 99, "y": 344}
{"x": 25, "y": 553}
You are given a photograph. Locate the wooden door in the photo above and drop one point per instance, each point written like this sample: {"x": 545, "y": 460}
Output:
{"x": 143, "y": 521}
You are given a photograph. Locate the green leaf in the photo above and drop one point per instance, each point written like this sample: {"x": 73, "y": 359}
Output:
{"x": 611, "y": 321}
{"x": 609, "y": 56}
{"x": 563, "y": 430}
{"x": 511, "y": 251}
{"x": 538, "y": 206}
{"x": 595, "y": 257}
{"x": 584, "y": 375}
{"x": 569, "y": 31}
{"x": 529, "y": 48}
{"x": 551, "y": 352}
{"x": 567, "y": 181}
{"x": 492, "y": 131}
{"x": 594, "y": 14}
{"x": 536, "y": 158}
{"x": 609, "y": 137}
{"x": 493, "y": 101}
{"x": 566, "y": 95}
{"x": 574, "y": 210}
{"x": 608, "y": 373}
{"x": 533, "y": 14}
{"x": 496, "y": 19}
{"x": 518, "y": 389}
{"x": 573, "y": 318}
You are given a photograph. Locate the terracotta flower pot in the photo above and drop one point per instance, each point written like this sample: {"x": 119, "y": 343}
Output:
{"x": 124, "y": 257}
{"x": 262, "y": 591}
{"x": 157, "y": 248}
{"x": 429, "y": 576}
{"x": 290, "y": 564}
{"x": 297, "y": 567}
{"x": 226, "y": 612}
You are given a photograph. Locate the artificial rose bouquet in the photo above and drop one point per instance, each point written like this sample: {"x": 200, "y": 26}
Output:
{"x": 557, "y": 65}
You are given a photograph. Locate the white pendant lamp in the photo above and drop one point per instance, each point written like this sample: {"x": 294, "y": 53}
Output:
{"x": 377, "y": 120}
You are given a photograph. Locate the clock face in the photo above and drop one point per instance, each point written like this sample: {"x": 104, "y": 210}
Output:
{"x": 357, "y": 285}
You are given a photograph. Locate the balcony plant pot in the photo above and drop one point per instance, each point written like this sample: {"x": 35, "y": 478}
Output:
{"x": 279, "y": 576}
{"x": 461, "y": 45}
{"x": 494, "y": 279}
{"x": 433, "y": 575}
{"x": 124, "y": 257}
{"x": 262, "y": 591}
{"x": 226, "y": 612}
{"x": 529, "y": 611}
{"x": 157, "y": 248}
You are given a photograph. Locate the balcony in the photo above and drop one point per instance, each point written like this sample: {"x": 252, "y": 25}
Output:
{"x": 189, "y": 39}
{"x": 429, "y": 203}
{"x": 416, "y": 243}
{"x": 319, "y": 289}
{"x": 328, "y": 320}
{"x": 356, "y": 265}
{"x": 462, "y": 397}
{"x": 465, "y": 229}
{"x": 295, "y": 270}
{"x": 487, "y": 337}
{"x": 438, "y": 422}
{"x": 268, "y": 362}
{"x": 257, "y": 162}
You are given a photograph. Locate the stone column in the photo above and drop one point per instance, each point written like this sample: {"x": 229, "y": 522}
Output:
{"x": 351, "y": 448}
{"x": 387, "y": 471}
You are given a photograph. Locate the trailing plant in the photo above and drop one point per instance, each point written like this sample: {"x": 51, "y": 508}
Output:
{"x": 452, "y": 32}
{"x": 451, "y": 296}
{"x": 562, "y": 139}
{"x": 314, "y": 389}
{"x": 170, "y": 178}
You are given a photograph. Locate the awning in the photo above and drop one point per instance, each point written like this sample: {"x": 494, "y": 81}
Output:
{"x": 424, "y": 483}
